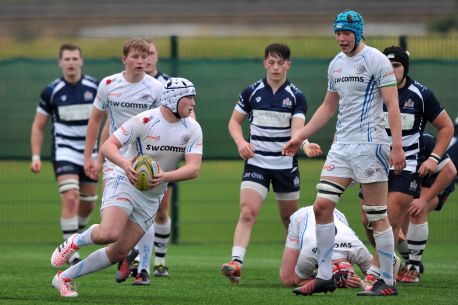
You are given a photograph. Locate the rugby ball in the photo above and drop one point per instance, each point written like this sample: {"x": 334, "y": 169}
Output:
{"x": 146, "y": 168}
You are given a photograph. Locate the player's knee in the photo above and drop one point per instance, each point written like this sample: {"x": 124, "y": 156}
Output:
{"x": 247, "y": 215}
{"x": 88, "y": 198}
{"x": 329, "y": 190}
{"x": 105, "y": 235}
{"x": 375, "y": 212}
{"x": 69, "y": 185}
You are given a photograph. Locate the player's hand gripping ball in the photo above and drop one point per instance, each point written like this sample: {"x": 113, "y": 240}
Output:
{"x": 146, "y": 168}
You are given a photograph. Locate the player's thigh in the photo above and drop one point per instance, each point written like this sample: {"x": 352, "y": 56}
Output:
{"x": 127, "y": 240}
{"x": 375, "y": 193}
{"x": 250, "y": 200}
{"x": 338, "y": 162}
{"x": 370, "y": 162}
{"x": 113, "y": 221}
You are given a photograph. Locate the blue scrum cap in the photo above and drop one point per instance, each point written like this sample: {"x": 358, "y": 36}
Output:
{"x": 350, "y": 21}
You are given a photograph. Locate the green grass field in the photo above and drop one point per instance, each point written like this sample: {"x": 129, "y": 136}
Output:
{"x": 29, "y": 232}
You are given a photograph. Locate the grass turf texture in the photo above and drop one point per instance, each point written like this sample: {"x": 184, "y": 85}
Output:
{"x": 29, "y": 232}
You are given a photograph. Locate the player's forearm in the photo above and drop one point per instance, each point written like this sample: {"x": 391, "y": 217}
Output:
{"x": 110, "y": 150}
{"x": 186, "y": 172}
{"x": 444, "y": 136}
{"x": 91, "y": 134}
{"x": 443, "y": 179}
{"x": 236, "y": 132}
{"x": 394, "y": 120}
{"x": 319, "y": 119}
{"x": 36, "y": 141}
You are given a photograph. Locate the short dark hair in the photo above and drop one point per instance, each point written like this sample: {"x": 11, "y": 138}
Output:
{"x": 69, "y": 47}
{"x": 278, "y": 49}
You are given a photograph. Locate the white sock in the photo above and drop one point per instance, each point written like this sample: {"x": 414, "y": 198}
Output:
{"x": 96, "y": 261}
{"x": 374, "y": 270}
{"x": 69, "y": 226}
{"x": 325, "y": 238}
{"x": 161, "y": 241}
{"x": 238, "y": 254}
{"x": 85, "y": 238}
{"x": 417, "y": 237}
{"x": 82, "y": 222}
{"x": 384, "y": 241}
{"x": 403, "y": 249}
{"x": 145, "y": 249}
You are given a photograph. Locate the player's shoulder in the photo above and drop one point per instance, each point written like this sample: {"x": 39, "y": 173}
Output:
{"x": 373, "y": 55}
{"x": 191, "y": 123}
{"x": 54, "y": 83}
{"x": 420, "y": 86}
{"x": 256, "y": 85}
{"x": 90, "y": 78}
{"x": 110, "y": 80}
{"x": 295, "y": 89}
{"x": 50, "y": 87}
{"x": 162, "y": 77}
{"x": 152, "y": 82}
{"x": 302, "y": 212}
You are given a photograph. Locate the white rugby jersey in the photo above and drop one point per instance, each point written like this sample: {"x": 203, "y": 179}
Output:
{"x": 357, "y": 80}
{"x": 69, "y": 106}
{"x": 123, "y": 100}
{"x": 270, "y": 118}
{"x": 149, "y": 133}
{"x": 302, "y": 236}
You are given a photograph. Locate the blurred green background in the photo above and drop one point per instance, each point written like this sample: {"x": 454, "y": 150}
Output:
{"x": 220, "y": 68}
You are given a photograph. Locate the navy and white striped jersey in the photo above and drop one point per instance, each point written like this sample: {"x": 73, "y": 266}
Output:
{"x": 162, "y": 77}
{"x": 429, "y": 141}
{"x": 418, "y": 105}
{"x": 270, "y": 118}
{"x": 69, "y": 106}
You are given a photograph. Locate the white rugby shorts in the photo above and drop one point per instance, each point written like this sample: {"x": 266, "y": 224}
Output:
{"x": 364, "y": 163}
{"x": 140, "y": 206}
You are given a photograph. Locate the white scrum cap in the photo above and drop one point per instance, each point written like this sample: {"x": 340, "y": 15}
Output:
{"x": 175, "y": 89}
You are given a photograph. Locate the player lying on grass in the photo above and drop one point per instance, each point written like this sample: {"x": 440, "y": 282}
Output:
{"x": 300, "y": 257}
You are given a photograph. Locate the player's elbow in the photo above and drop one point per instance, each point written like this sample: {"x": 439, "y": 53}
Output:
{"x": 194, "y": 172}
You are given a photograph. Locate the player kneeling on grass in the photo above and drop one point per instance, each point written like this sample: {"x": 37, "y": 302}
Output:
{"x": 300, "y": 257}
{"x": 167, "y": 134}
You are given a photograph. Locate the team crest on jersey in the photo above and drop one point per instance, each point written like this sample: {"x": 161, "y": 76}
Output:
{"x": 63, "y": 98}
{"x": 145, "y": 120}
{"x": 108, "y": 81}
{"x": 361, "y": 69}
{"x": 184, "y": 139}
{"x": 258, "y": 99}
{"x": 287, "y": 103}
{"x": 409, "y": 103}
{"x": 88, "y": 96}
